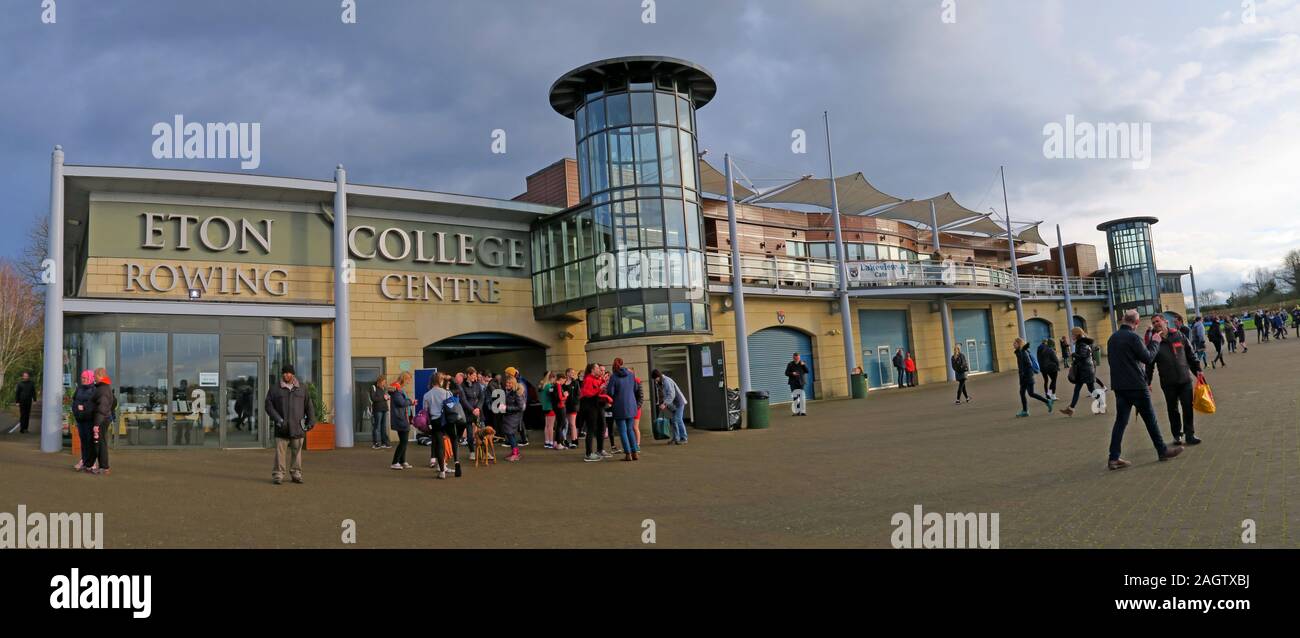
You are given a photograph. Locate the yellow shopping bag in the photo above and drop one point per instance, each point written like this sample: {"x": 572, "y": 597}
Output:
{"x": 1202, "y": 397}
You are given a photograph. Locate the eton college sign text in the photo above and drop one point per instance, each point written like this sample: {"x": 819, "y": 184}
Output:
{"x": 219, "y": 234}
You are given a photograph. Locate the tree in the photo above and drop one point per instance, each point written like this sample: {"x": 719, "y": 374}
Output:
{"x": 21, "y": 329}
{"x": 1207, "y": 297}
{"x": 1289, "y": 273}
{"x": 35, "y": 252}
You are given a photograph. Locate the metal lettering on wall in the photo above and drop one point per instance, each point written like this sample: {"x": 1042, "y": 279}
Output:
{"x": 217, "y": 233}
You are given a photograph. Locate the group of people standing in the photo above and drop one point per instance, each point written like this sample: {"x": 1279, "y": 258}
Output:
{"x": 599, "y": 404}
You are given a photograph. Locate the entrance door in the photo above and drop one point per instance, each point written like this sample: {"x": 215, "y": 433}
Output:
{"x": 973, "y": 354}
{"x": 364, "y": 374}
{"x": 887, "y": 332}
{"x": 673, "y": 361}
{"x": 876, "y": 364}
{"x": 243, "y": 392}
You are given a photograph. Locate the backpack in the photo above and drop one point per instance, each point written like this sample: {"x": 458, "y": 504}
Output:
{"x": 451, "y": 410}
{"x": 83, "y": 403}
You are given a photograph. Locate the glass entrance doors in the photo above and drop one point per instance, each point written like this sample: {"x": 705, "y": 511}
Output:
{"x": 243, "y": 391}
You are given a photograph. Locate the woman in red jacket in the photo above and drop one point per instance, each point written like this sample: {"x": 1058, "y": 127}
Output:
{"x": 591, "y": 402}
{"x": 910, "y": 366}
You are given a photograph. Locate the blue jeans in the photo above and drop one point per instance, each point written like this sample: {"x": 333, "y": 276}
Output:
{"x": 378, "y": 435}
{"x": 627, "y": 430}
{"x": 679, "y": 427}
{"x": 1125, "y": 401}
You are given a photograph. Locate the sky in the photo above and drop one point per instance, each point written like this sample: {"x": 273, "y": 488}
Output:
{"x": 924, "y": 96}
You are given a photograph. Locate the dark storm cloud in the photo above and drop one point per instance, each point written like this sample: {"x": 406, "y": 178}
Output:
{"x": 410, "y": 94}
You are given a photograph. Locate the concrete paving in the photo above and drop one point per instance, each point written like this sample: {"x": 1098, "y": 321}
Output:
{"x": 832, "y": 479}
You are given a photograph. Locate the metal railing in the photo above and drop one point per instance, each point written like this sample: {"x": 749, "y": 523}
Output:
{"x": 814, "y": 275}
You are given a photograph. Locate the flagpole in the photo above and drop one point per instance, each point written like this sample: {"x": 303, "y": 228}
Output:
{"x": 737, "y": 290}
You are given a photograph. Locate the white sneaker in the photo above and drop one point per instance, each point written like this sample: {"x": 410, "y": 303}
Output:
{"x": 406, "y": 466}
{"x": 442, "y": 474}
{"x": 471, "y": 456}
{"x": 395, "y": 466}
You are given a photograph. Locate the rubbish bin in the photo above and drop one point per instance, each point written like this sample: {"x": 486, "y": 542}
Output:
{"x": 859, "y": 386}
{"x": 756, "y": 404}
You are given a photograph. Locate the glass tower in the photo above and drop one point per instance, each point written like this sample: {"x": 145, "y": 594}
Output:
{"x": 631, "y": 253}
{"x": 1133, "y": 275}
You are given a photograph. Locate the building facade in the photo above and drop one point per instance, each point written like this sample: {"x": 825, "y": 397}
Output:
{"x": 193, "y": 288}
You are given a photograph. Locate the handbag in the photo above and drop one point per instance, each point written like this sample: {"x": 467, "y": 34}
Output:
{"x": 1202, "y": 397}
{"x": 421, "y": 421}
{"x": 660, "y": 428}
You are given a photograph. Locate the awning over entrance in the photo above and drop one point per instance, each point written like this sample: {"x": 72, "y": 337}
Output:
{"x": 946, "y": 209}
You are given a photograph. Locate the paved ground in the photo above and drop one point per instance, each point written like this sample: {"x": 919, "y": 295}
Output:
{"x": 833, "y": 479}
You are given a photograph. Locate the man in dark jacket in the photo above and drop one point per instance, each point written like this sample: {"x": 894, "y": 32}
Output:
{"x": 25, "y": 393}
{"x": 471, "y": 401}
{"x": 291, "y": 416}
{"x": 1178, "y": 369}
{"x": 900, "y": 367}
{"x": 796, "y": 373}
{"x": 1128, "y": 356}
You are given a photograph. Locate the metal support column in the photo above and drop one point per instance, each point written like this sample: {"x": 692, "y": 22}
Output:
{"x": 343, "y": 271}
{"x": 1065, "y": 280}
{"x": 52, "y": 376}
{"x": 846, "y": 321}
{"x": 737, "y": 287}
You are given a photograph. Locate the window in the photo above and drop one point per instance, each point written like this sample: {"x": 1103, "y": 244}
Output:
{"x": 643, "y": 108}
{"x": 632, "y": 320}
{"x": 681, "y": 317}
{"x": 869, "y": 252}
{"x": 674, "y": 223}
{"x": 665, "y": 109}
{"x": 622, "y": 160}
{"x": 143, "y": 388}
{"x": 647, "y": 155}
{"x": 669, "y": 157}
{"x": 684, "y": 113}
{"x": 796, "y": 248}
{"x": 688, "y": 159}
{"x": 701, "y": 318}
{"x": 596, "y": 116}
{"x": 817, "y": 250}
{"x": 617, "y": 111}
{"x": 657, "y": 318}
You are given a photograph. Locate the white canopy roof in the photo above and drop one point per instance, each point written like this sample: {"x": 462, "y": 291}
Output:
{"x": 855, "y": 193}
{"x": 1031, "y": 235}
{"x": 946, "y": 210}
{"x": 714, "y": 181}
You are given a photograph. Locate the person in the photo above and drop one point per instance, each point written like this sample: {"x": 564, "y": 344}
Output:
{"x": 608, "y": 428}
{"x": 622, "y": 390}
{"x": 291, "y": 416}
{"x": 1229, "y": 335}
{"x": 796, "y": 373}
{"x": 83, "y": 412}
{"x": 24, "y": 395}
{"x": 1082, "y": 366}
{"x": 1178, "y": 371}
{"x": 513, "y": 417}
{"x": 959, "y": 368}
{"x": 909, "y": 365}
{"x": 434, "y": 403}
{"x": 1025, "y": 366}
{"x": 592, "y": 401}
{"x": 471, "y": 400}
{"x": 1065, "y": 348}
{"x": 379, "y": 414}
{"x": 1128, "y": 356}
{"x": 1050, "y": 365}
{"x": 1241, "y": 336}
{"x": 545, "y": 396}
{"x": 899, "y": 371}
{"x": 105, "y": 409}
{"x": 401, "y": 405}
{"x": 571, "y": 398}
{"x": 1215, "y": 333}
{"x": 672, "y": 402}
{"x": 1261, "y": 335}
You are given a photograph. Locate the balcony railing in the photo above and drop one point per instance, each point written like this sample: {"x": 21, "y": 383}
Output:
{"x": 814, "y": 275}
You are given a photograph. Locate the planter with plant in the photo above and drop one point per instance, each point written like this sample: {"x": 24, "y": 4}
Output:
{"x": 320, "y": 437}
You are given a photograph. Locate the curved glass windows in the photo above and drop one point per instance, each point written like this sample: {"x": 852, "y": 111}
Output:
{"x": 639, "y": 320}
